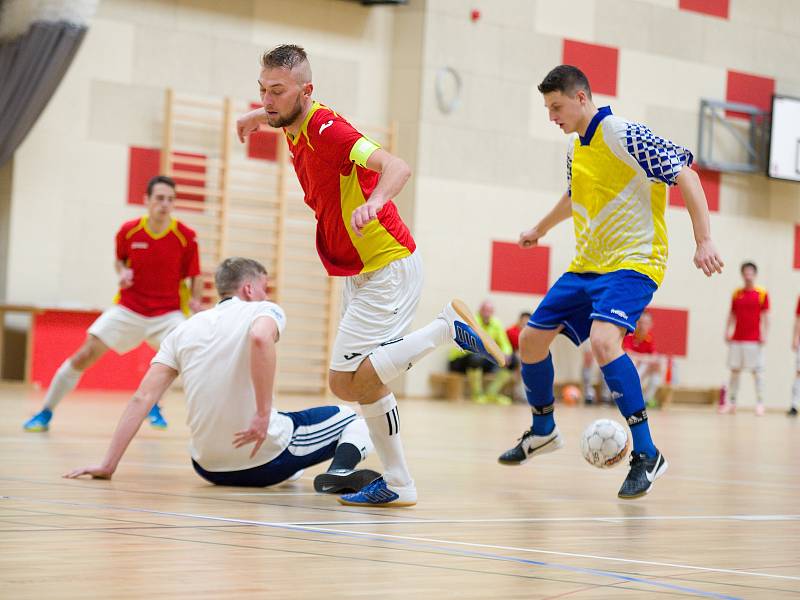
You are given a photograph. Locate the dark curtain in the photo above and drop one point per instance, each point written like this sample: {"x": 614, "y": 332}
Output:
{"x": 31, "y": 68}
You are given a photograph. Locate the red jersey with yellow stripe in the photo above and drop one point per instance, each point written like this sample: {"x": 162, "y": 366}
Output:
{"x": 329, "y": 157}
{"x": 161, "y": 262}
{"x": 639, "y": 345}
{"x": 747, "y": 306}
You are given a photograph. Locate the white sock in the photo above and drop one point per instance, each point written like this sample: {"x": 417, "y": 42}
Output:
{"x": 796, "y": 393}
{"x": 653, "y": 382}
{"x": 759, "y": 379}
{"x": 394, "y": 358}
{"x": 357, "y": 433}
{"x": 64, "y": 381}
{"x": 383, "y": 422}
{"x": 733, "y": 387}
{"x": 588, "y": 388}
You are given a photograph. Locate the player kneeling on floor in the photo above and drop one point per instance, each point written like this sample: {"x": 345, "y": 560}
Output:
{"x": 226, "y": 357}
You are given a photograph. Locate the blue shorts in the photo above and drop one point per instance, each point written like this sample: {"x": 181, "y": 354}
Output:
{"x": 314, "y": 440}
{"x": 577, "y": 299}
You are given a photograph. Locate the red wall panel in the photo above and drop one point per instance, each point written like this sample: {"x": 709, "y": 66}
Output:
{"x": 710, "y": 181}
{"x": 715, "y": 8}
{"x": 749, "y": 89}
{"x": 797, "y": 247}
{"x": 58, "y": 334}
{"x": 519, "y": 270}
{"x": 599, "y": 63}
{"x": 263, "y": 144}
{"x": 670, "y": 330}
{"x": 145, "y": 163}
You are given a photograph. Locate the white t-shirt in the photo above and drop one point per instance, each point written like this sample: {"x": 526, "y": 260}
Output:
{"x": 211, "y": 351}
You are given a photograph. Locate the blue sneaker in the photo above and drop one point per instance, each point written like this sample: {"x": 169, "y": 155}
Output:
{"x": 157, "y": 421}
{"x": 469, "y": 335}
{"x": 378, "y": 493}
{"x": 39, "y": 422}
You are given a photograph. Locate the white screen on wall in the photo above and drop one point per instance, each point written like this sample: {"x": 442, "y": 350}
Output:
{"x": 784, "y": 145}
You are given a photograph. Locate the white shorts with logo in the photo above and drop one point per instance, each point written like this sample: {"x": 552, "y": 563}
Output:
{"x": 122, "y": 330}
{"x": 377, "y": 307}
{"x": 746, "y": 356}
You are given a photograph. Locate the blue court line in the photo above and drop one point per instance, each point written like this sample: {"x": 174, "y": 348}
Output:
{"x": 441, "y": 549}
{"x": 514, "y": 559}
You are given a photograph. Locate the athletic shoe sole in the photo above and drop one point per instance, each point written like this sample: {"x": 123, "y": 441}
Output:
{"x": 491, "y": 346}
{"x": 37, "y": 429}
{"x": 549, "y": 446}
{"x": 659, "y": 472}
{"x": 394, "y": 504}
{"x": 337, "y": 483}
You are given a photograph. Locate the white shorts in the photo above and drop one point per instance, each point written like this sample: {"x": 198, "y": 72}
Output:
{"x": 377, "y": 307}
{"x": 747, "y": 356}
{"x": 122, "y": 330}
{"x": 797, "y": 360}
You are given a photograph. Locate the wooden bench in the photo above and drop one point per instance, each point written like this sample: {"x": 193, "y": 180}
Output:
{"x": 447, "y": 385}
{"x": 667, "y": 394}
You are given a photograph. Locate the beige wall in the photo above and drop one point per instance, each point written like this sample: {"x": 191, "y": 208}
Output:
{"x": 496, "y": 165}
{"x": 70, "y": 174}
{"x": 483, "y": 173}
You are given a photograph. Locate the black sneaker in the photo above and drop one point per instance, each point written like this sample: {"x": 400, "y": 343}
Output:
{"x": 342, "y": 481}
{"x": 792, "y": 412}
{"x": 529, "y": 445}
{"x": 644, "y": 471}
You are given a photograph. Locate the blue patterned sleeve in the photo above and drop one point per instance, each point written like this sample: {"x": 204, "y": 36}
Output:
{"x": 569, "y": 172}
{"x": 661, "y": 159}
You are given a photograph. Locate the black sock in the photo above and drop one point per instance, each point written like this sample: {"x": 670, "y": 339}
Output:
{"x": 347, "y": 456}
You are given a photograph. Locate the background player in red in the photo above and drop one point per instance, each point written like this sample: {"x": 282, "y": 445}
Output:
{"x": 155, "y": 255}
{"x": 796, "y": 347}
{"x": 349, "y": 182}
{"x": 513, "y": 337}
{"x": 641, "y": 347}
{"x": 746, "y": 334}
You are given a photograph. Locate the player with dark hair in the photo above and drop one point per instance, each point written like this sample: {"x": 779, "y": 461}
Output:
{"x": 617, "y": 177}
{"x": 746, "y": 334}
{"x": 155, "y": 256}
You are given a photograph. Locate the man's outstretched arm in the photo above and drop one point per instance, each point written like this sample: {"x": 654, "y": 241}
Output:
{"x": 155, "y": 382}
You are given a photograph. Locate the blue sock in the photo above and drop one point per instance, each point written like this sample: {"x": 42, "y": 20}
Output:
{"x": 538, "y": 379}
{"x": 626, "y": 389}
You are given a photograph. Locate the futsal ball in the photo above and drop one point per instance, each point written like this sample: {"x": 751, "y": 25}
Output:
{"x": 605, "y": 443}
{"x": 570, "y": 394}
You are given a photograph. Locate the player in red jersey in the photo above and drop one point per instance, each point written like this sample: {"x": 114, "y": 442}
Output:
{"x": 746, "y": 334}
{"x": 796, "y": 347}
{"x": 349, "y": 182}
{"x": 641, "y": 347}
{"x": 155, "y": 255}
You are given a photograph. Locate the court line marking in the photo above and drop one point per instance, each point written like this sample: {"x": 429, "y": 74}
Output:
{"x": 403, "y": 540}
{"x": 750, "y": 518}
{"x": 390, "y": 537}
{"x": 408, "y": 548}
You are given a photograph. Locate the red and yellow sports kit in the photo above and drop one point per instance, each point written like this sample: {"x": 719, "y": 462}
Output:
{"x": 383, "y": 274}
{"x": 639, "y": 345}
{"x": 158, "y": 300}
{"x": 747, "y": 306}
{"x": 330, "y": 159}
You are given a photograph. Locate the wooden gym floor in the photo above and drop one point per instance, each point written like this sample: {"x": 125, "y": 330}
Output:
{"x": 724, "y": 522}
